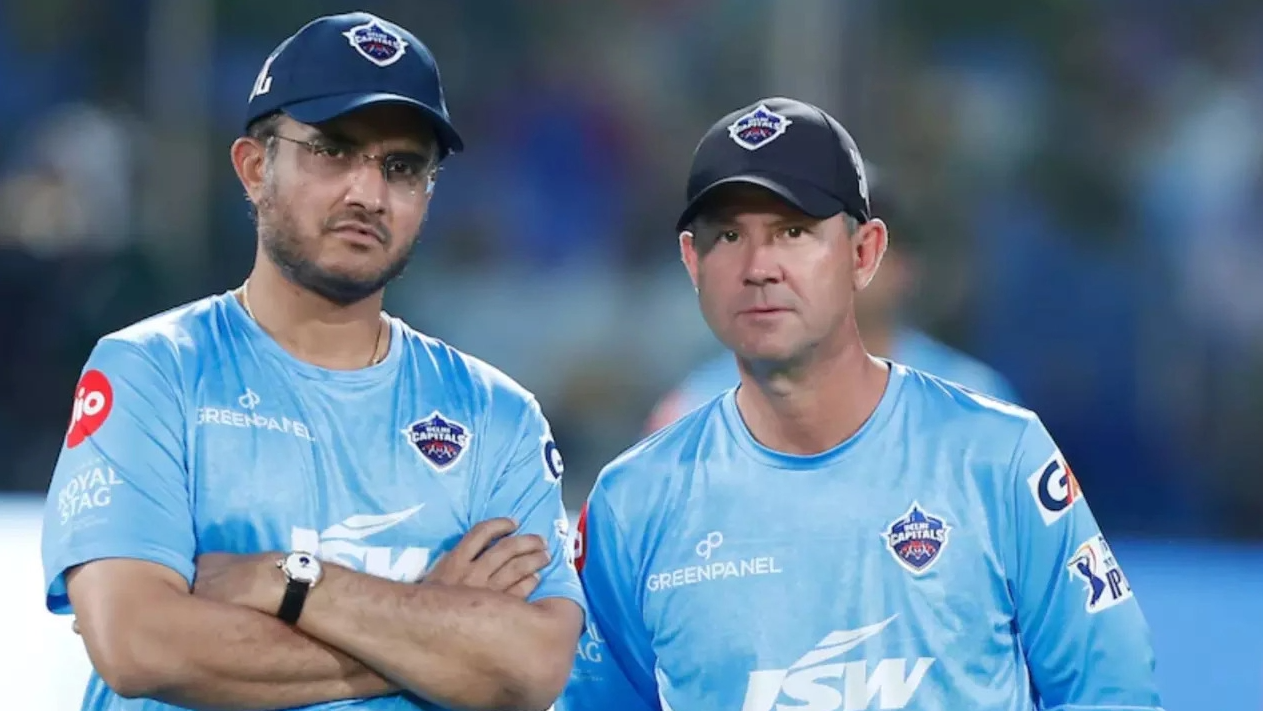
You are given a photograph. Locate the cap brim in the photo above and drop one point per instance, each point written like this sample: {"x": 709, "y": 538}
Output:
{"x": 804, "y": 196}
{"x": 327, "y": 108}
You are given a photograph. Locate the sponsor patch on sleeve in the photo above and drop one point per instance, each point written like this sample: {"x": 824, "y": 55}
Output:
{"x": 1094, "y": 564}
{"x": 580, "y": 539}
{"x": 1055, "y": 489}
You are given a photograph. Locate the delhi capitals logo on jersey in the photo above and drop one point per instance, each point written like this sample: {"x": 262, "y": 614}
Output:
{"x": 376, "y": 43}
{"x": 916, "y": 539}
{"x": 441, "y": 441}
{"x": 757, "y": 128}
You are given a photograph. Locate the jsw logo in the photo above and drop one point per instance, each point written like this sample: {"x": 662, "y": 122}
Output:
{"x": 343, "y": 544}
{"x": 817, "y": 683}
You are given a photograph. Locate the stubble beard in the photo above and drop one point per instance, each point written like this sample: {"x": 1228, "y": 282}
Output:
{"x": 283, "y": 245}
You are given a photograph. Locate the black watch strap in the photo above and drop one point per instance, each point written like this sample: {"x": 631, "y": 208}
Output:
{"x": 292, "y": 603}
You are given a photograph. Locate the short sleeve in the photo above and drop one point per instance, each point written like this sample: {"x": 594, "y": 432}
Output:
{"x": 120, "y": 485}
{"x": 528, "y": 490}
{"x": 617, "y": 670}
{"x": 1086, "y": 642}
{"x": 597, "y": 682}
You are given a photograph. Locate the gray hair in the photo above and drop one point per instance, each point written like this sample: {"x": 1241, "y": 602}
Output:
{"x": 264, "y": 130}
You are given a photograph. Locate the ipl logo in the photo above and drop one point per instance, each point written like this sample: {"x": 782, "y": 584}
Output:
{"x": 1094, "y": 563}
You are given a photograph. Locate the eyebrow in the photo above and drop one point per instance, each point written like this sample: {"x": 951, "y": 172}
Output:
{"x": 728, "y": 219}
{"x": 426, "y": 151}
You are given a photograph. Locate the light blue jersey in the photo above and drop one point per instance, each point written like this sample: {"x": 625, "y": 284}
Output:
{"x": 911, "y": 347}
{"x": 941, "y": 559}
{"x": 195, "y": 432}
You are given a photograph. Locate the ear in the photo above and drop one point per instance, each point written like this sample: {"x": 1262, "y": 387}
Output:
{"x": 688, "y": 255}
{"x": 869, "y": 246}
{"x": 249, "y": 160}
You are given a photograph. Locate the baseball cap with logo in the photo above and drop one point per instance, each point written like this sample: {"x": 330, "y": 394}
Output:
{"x": 789, "y": 147}
{"x": 339, "y": 63}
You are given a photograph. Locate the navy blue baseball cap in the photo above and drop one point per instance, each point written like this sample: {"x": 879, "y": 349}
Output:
{"x": 789, "y": 147}
{"x": 339, "y": 63}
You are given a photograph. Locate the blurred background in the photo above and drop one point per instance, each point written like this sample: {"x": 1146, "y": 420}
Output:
{"x": 1082, "y": 181}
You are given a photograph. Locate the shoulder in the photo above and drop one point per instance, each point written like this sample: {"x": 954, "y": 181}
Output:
{"x": 988, "y": 430}
{"x": 467, "y": 377}
{"x": 954, "y": 365}
{"x": 163, "y": 343}
{"x": 644, "y": 475}
{"x": 175, "y": 326}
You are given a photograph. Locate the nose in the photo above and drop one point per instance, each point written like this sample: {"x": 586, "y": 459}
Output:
{"x": 367, "y": 189}
{"x": 763, "y": 264}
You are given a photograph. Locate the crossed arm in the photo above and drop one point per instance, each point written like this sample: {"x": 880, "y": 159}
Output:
{"x": 464, "y": 637}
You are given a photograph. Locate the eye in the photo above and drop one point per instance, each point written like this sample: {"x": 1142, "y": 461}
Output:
{"x": 795, "y": 231}
{"x": 403, "y": 166}
{"x": 728, "y": 236}
{"x": 328, "y": 150}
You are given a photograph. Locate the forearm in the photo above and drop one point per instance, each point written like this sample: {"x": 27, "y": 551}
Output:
{"x": 204, "y": 654}
{"x": 458, "y": 647}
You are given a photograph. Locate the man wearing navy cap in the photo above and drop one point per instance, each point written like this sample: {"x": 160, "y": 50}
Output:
{"x": 880, "y": 317}
{"x": 281, "y": 496}
{"x": 840, "y": 532}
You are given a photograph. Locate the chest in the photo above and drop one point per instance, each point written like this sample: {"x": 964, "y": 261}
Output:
{"x": 774, "y": 568}
{"x": 367, "y": 477}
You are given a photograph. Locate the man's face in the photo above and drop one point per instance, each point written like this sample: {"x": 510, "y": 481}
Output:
{"x": 333, "y": 221}
{"x": 774, "y": 283}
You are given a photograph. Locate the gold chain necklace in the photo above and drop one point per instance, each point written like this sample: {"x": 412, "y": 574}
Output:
{"x": 377, "y": 341}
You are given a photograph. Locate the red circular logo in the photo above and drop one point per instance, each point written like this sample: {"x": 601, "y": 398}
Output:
{"x": 93, "y": 400}
{"x": 581, "y": 538}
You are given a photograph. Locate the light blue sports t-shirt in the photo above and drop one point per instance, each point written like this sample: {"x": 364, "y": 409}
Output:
{"x": 941, "y": 559}
{"x": 194, "y": 432}
{"x": 911, "y": 347}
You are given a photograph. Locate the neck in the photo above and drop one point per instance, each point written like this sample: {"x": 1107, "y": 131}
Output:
{"x": 818, "y": 406}
{"x": 879, "y": 337}
{"x": 310, "y": 327}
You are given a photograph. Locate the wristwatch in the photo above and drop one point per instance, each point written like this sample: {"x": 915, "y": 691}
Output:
{"x": 302, "y": 571}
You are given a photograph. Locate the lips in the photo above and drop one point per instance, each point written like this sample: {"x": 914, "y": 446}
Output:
{"x": 360, "y": 229}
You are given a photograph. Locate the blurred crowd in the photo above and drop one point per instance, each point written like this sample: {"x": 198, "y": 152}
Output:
{"x": 1086, "y": 180}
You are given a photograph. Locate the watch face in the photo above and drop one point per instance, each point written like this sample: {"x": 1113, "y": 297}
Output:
{"x": 303, "y": 567}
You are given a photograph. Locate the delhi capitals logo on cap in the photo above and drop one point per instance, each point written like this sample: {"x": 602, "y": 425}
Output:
{"x": 376, "y": 43}
{"x": 916, "y": 539}
{"x": 757, "y": 128}
{"x": 440, "y": 441}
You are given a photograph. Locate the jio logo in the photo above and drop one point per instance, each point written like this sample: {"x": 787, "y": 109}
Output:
{"x": 94, "y": 397}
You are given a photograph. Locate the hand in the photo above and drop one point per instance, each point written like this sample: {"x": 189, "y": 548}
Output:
{"x": 248, "y": 580}
{"x": 488, "y": 557}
